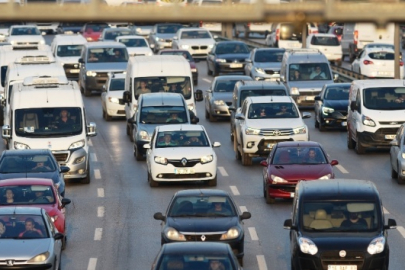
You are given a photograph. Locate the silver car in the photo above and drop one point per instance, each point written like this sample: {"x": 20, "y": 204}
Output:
{"x": 397, "y": 156}
{"x": 161, "y": 35}
{"x": 264, "y": 63}
{"x": 30, "y": 240}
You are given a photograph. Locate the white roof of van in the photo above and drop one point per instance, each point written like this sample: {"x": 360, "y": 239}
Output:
{"x": 69, "y": 39}
{"x": 160, "y": 65}
{"x": 19, "y": 72}
{"x": 10, "y": 56}
{"x": 380, "y": 83}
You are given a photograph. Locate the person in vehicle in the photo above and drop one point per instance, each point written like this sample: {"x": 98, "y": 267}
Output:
{"x": 263, "y": 112}
{"x": 312, "y": 157}
{"x": 401, "y": 98}
{"x": 41, "y": 167}
{"x": 29, "y": 228}
{"x": 193, "y": 141}
{"x": 174, "y": 88}
{"x": 64, "y": 121}
{"x": 92, "y": 58}
{"x": 283, "y": 111}
{"x": 39, "y": 197}
{"x": 9, "y": 195}
{"x": 216, "y": 265}
{"x": 167, "y": 141}
{"x": 296, "y": 76}
{"x": 219, "y": 208}
{"x": 174, "y": 118}
{"x": 142, "y": 89}
{"x": 317, "y": 74}
{"x": 354, "y": 222}
{"x": 3, "y": 230}
{"x": 117, "y": 56}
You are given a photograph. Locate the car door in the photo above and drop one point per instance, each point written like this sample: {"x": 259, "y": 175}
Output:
{"x": 211, "y": 59}
{"x": 104, "y": 95}
{"x": 82, "y": 74}
{"x": 318, "y": 104}
{"x": 356, "y": 62}
{"x": 395, "y": 149}
{"x": 149, "y": 152}
{"x": 208, "y": 96}
{"x": 152, "y": 35}
{"x": 249, "y": 64}
{"x": 57, "y": 246}
{"x": 356, "y": 116}
{"x": 240, "y": 124}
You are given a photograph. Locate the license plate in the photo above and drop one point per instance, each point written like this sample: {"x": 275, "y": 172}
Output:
{"x": 344, "y": 124}
{"x": 389, "y": 137}
{"x": 342, "y": 267}
{"x": 292, "y": 194}
{"x": 74, "y": 70}
{"x": 310, "y": 98}
{"x": 383, "y": 73}
{"x": 183, "y": 171}
{"x": 236, "y": 65}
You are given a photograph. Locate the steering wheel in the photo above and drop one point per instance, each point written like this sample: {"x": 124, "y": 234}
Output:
{"x": 174, "y": 121}
{"x": 41, "y": 199}
{"x": 318, "y": 77}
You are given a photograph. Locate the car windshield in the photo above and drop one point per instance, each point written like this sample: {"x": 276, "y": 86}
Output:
{"x": 340, "y": 216}
{"x": 382, "y": 55}
{"x": 48, "y": 122}
{"x": 225, "y": 86}
{"x": 180, "y": 85}
{"x": 185, "y": 54}
{"x": 299, "y": 155}
{"x": 69, "y": 50}
{"x": 377, "y": 45}
{"x": 25, "y": 31}
{"x": 324, "y": 41}
{"x": 337, "y": 93}
{"x": 309, "y": 72}
{"x": 272, "y": 110}
{"x": 384, "y": 98}
{"x": 230, "y": 48}
{"x": 117, "y": 84}
{"x": 184, "y": 138}
{"x": 260, "y": 92}
{"x": 265, "y": 56}
{"x": 133, "y": 42}
{"x": 107, "y": 55}
{"x": 95, "y": 27}
{"x": 168, "y": 28}
{"x": 163, "y": 115}
{"x": 112, "y": 34}
{"x": 196, "y": 34}
{"x": 202, "y": 206}
{"x": 19, "y": 226}
{"x": 26, "y": 194}
{"x": 195, "y": 261}
{"x": 27, "y": 164}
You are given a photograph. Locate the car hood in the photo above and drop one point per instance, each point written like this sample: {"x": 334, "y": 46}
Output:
{"x": 52, "y": 143}
{"x": 202, "y": 224}
{"x": 309, "y": 85}
{"x": 142, "y": 50}
{"x": 390, "y": 115}
{"x": 48, "y": 175}
{"x": 30, "y": 38}
{"x": 107, "y": 66}
{"x": 23, "y": 249}
{"x": 233, "y": 56}
{"x": 71, "y": 28}
{"x": 342, "y": 241}
{"x": 225, "y": 96}
{"x": 165, "y": 36}
{"x": 269, "y": 65}
{"x": 68, "y": 60}
{"x": 275, "y": 123}
{"x": 117, "y": 94}
{"x": 202, "y": 41}
{"x": 340, "y": 105}
{"x": 301, "y": 172}
{"x": 188, "y": 152}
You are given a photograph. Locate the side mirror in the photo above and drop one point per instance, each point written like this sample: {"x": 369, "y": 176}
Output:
{"x": 248, "y": 60}
{"x": 127, "y": 97}
{"x": 175, "y": 38}
{"x": 195, "y": 120}
{"x": 198, "y": 95}
{"x": 353, "y": 106}
{"x": 245, "y": 215}
{"x": 306, "y": 115}
{"x": 159, "y": 216}
{"x": 394, "y": 142}
{"x": 132, "y": 120}
{"x": 216, "y": 144}
{"x": 43, "y": 33}
{"x": 58, "y": 236}
{"x": 65, "y": 201}
{"x": 91, "y": 129}
{"x": 152, "y": 46}
{"x": 209, "y": 91}
{"x": 240, "y": 116}
{"x": 146, "y": 146}
{"x": 6, "y": 132}
{"x": 335, "y": 77}
{"x": 264, "y": 163}
{"x": 317, "y": 98}
{"x": 64, "y": 169}
{"x": 231, "y": 108}
{"x": 121, "y": 101}
{"x": 392, "y": 224}
{"x": 288, "y": 225}
{"x": 81, "y": 60}
{"x": 282, "y": 78}
{"x": 104, "y": 88}
{"x": 334, "y": 162}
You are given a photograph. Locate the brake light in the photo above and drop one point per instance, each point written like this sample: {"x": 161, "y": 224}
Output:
{"x": 201, "y": 23}
{"x": 277, "y": 34}
{"x": 248, "y": 24}
{"x": 356, "y": 37}
{"x": 401, "y": 63}
{"x": 367, "y": 62}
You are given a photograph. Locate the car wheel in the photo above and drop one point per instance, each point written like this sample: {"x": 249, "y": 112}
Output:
{"x": 359, "y": 148}
{"x": 246, "y": 159}
{"x": 235, "y": 148}
{"x": 207, "y": 114}
{"x": 152, "y": 183}
{"x": 215, "y": 72}
{"x": 196, "y": 82}
{"x": 213, "y": 182}
{"x": 350, "y": 142}
{"x": 316, "y": 123}
{"x": 292, "y": 265}
{"x": 86, "y": 180}
{"x": 232, "y": 137}
{"x": 269, "y": 199}
{"x": 86, "y": 92}
{"x": 321, "y": 127}
{"x": 240, "y": 260}
{"x": 131, "y": 133}
{"x": 209, "y": 72}
{"x": 137, "y": 154}
{"x": 60, "y": 263}
{"x": 108, "y": 117}
{"x": 264, "y": 189}
{"x": 64, "y": 240}
{"x": 212, "y": 118}
{"x": 400, "y": 178}
{"x": 394, "y": 174}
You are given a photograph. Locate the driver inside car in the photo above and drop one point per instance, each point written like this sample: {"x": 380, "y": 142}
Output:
{"x": 39, "y": 197}
{"x": 317, "y": 73}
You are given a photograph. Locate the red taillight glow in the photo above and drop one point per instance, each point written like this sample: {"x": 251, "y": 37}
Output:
{"x": 356, "y": 37}
{"x": 367, "y": 62}
{"x": 201, "y": 23}
{"x": 277, "y": 34}
{"x": 401, "y": 63}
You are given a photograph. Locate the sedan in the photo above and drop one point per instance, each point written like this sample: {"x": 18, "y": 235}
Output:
{"x": 290, "y": 162}
{"x": 25, "y": 36}
{"x": 39, "y": 193}
{"x": 190, "y": 59}
{"x": 181, "y": 153}
{"x": 34, "y": 163}
{"x": 113, "y": 91}
{"x": 110, "y": 34}
{"x": 195, "y": 256}
{"x": 264, "y": 63}
{"x": 92, "y": 31}
{"x": 198, "y": 41}
{"x": 219, "y": 96}
{"x": 209, "y": 215}
{"x": 69, "y": 27}
{"x": 227, "y": 57}
{"x": 397, "y": 156}
{"x": 328, "y": 44}
{"x": 331, "y": 106}
{"x": 161, "y": 36}
{"x": 136, "y": 45}
{"x": 30, "y": 240}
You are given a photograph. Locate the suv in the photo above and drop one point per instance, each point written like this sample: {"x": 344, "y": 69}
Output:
{"x": 323, "y": 234}
{"x": 265, "y": 121}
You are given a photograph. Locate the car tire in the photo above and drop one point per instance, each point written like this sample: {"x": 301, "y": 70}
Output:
{"x": 209, "y": 72}
{"x": 212, "y": 118}
{"x": 240, "y": 261}
{"x": 321, "y": 127}
{"x": 213, "y": 182}
{"x": 235, "y": 148}
{"x": 400, "y": 179}
{"x": 196, "y": 82}
{"x": 215, "y": 72}
{"x": 207, "y": 114}
{"x": 394, "y": 174}
{"x": 246, "y": 159}
{"x": 350, "y": 142}
{"x": 86, "y": 180}
{"x": 138, "y": 156}
{"x": 360, "y": 150}
{"x": 60, "y": 263}
{"x": 316, "y": 123}
{"x": 64, "y": 242}
{"x": 152, "y": 183}
{"x": 86, "y": 92}
{"x": 269, "y": 199}
{"x": 131, "y": 133}
{"x": 108, "y": 117}
{"x": 232, "y": 136}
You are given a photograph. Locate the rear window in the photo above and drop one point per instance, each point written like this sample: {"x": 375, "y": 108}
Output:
{"x": 290, "y": 32}
{"x": 381, "y": 56}
{"x": 324, "y": 41}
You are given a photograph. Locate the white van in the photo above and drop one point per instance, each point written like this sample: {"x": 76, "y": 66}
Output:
{"x": 55, "y": 121}
{"x": 376, "y": 111}
{"x": 158, "y": 73}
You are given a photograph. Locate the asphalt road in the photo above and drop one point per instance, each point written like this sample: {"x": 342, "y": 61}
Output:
{"x": 110, "y": 221}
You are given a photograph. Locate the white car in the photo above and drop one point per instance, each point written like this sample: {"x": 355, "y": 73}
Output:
{"x": 198, "y": 41}
{"x": 47, "y": 27}
{"x": 136, "y": 45}
{"x": 328, "y": 44}
{"x": 25, "y": 36}
{"x": 112, "y": 92}
{"x": 181, "y": 153}
{"x": 376, "y": 62}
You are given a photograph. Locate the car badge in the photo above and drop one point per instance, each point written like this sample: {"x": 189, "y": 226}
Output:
{"x": 342, "y": 253}
{"x": 10, "y": 263}
{"x": 277, "y": 132}
{"x": 235, "y": 61}
{"x": 203, "y": 238}
{"x": 394, "y": 123}
{"x": 184, "y": 161}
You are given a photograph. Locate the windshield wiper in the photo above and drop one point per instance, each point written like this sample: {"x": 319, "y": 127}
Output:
{"x": 187, "y": 215}
{"x": 218, "y": 215}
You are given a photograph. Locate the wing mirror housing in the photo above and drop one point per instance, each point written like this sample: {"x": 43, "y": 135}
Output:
{"x": 392, "y": 224}
{"x": 91, "y": 129}
{"x": 6, "y": 132}
{"x": 216, "y": 144}
{"x": 306, "y": 115}
{"x": 245, "y": 215}
{"x": 146, "y": 146}
{"x": 335, "y": 77}
{"x": 159, "y": 216}
{"x": 394, "y": 142}
{"x": 353, "y": 106}
{"x": 64, "y": 169}
{"x": 240, "y": 116}
{"x": 317, "y": 98}
{"x": 334, "y": 162}
{"x": 65, "y": 201}
{"x": 264, "y": 163}
{"x": 198, "y": 95}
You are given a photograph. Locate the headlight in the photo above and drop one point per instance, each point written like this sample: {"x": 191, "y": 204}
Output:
{"x": 206, "y": 159}
{"x": 326, "y": 110}
{"x": 159, "y": 39}
{"x": 260, "y": 70}
{"x": 12, "y": 42}
{"x": 54, "y": 218}
{"x": 40, "y": 258}
{"x": 219, "y": 102}
{"x": 277, "y": 179}
{"x": 42, "y": 42}
{"x": 185, "y": 47}
{"x": 232, "y": 233}
{"x": 174, "y": 235}
{"x": 193, "y": 70}
{"x": 368, "y": 121}
{"x": 376, "y": 246}
{"x": 143, "y": 135}
{"x": 113, "y": 100}
{"x": 211, "y": 46}
{"x": 300, "y": 130}
{"x": 220, "y": 60}
{"x": 79, "y": 160}
{"x": 161, "y": 160}
{"x": 190, "y": 107}
{"x": 89, "y": 39}
{"x": 91, "y": 73}
{"x": 307, "y": 246}
{"x": 18, "y": 145}
{"x": 325, "y": 177}
{"x": 403, "y": 155}
{"x": 294, "y": 91}
{"x": 76, "y": 145}
{"x": 252, "y": 131}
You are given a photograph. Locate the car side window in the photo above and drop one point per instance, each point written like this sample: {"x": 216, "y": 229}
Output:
{"x": 244, "y": 108}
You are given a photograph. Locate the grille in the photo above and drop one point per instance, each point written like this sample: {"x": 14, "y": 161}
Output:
{"x": 387, "y": 131}
{"x": 182, "y": 176}
{"x": 391, "y": 123}
{"x": 199, "y": 47}
{"x": 177, "y": 162}
{"x": 120, "y": 112}
{"x": 229, "y": 103}
{"x": 263, "y": 145}
{"x": 352, "y": 258}
{"x": 209, "y": 237}
{"x": 234, "y": 60}
{"x": 203, "y": 47}
{"x": 27, "y": 43}
{"x": 199, "y": 54}
{"x": 168, "y": 40}
{"x": 61, "y": 157}
{"x": 69, "y": 67}
{"x": 276, "y": 132}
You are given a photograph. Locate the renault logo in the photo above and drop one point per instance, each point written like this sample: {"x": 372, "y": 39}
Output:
{"x": 184, "y": 162}
{"x": 203, "y": 238}
{"x": 10, "y": 263}
{"x": 342, "y": 253}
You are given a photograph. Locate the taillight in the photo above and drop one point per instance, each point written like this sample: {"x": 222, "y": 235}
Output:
{"x": 367, "y": 62}
{"x": 356, "y": 37}
{"x": 277, "y": 34}
{"x": 201, "y": 23}
{"x": 248, "y": 24}
{"x": 401, "y": 63}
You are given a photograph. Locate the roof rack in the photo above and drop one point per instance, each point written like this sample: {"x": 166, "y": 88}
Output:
{"x": 45, "y": 81}
{"x": 35, "y": 59}
{"x": 304, "y": 51}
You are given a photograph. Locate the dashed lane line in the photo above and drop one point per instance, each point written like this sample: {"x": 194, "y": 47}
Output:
{"x": 385, "y": 211}
{"x": 93, "y": 157}
{"x": 206, "y": 80}
{"x": 89, "y": 143}
{"x": 100, "y": 211}
{"x": 97, "y": 174}
{"x": 223, "y": 171}
{"x": 261, "y": 262}
{"x": 100, "y": 192}
{"x": 401, "y": 230}
{"x": 98, "y": 233}
{"x": 243, "y": 209}
{"x": 92, "y": 264}
{"x": 235, "y": 190}
{"x": 253, "y": 234}
{"x": 341, "y": 169}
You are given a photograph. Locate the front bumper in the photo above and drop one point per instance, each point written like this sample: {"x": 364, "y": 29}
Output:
{"x": 115, "y": 109}
{"x": 96, "y": 83}
{"x": 26, "y": 266}
{"x": 199, "y": 52}
{"x": 377, "y": 139}
{"x": 306, "y": 99}
{"x": 230, "y": 67}
{"x": 337, "y": 119}
{"x": 72, "y": 70}
{"x": 284, "y": 191}
{"x": 76, "y": 160}
{"x": 220, "y": 110}
{"x": 160, "y": 45}
{"x": 268, "y": 75}
{"x": 170, "y": 172}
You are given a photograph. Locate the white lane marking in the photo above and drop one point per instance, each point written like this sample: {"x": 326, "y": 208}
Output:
{"x": 385, "y": 211}
{"x": 98, "y": 233}
{"x": 144, "y": 167}
{"x": 97, "y": 174}
{"x": 92, "y": 264}
{"x": 206, "y": 80}
{"x": 223, "y": 171}
{"x": 100, "y": 211}
{"x": 401, "y": 230}
{"x": 261, "y": 261}
{"x": 89, "y": 143}
{"x": 341, "y": 169}
{"x": 243, "y": 209}
{"x": 93, "y": 157}
{"x": 235, "y": 190}
{"x": 253, "y": 234}
{"x": 100, "y": 192}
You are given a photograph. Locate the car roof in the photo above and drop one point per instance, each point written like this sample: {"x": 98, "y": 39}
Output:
{"x": 185, "y": 127}
{"x": 337, "y": 189}
{"x": 67, "y": 39}
{"x": 379, "y": 49}
{"x": 118, "y": 76}
{"x": 337, "y": 84}
{"x": 131, "y": 36}
{"x": 323, "y": 35}
{"x": 26, "y": 181}
{"x": 104, "y": 44}
{"x": 26, "y": 152}
{"x": 20, "y": 210}
{"x": 253, "y": 85}
{"x": 270, "y": 49}
{"x": 23, "y": 26}
{"x": 162, "y": 99}
{"x": 186, "y": 248}
{"x": 231, "y": 42}
{"x": 298, "y": 143}
{"x": 187, "y": 29}
{"x": 202, "y": 192}
{"x": 302, "y": 56}
{"x": 269, "y": 99}
{"x": 379, "y": 83}
{"x": 116, "y": 29}
{"x": 233, "y": 77}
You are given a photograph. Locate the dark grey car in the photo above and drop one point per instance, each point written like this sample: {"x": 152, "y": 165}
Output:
{"x": 397, "y": 156}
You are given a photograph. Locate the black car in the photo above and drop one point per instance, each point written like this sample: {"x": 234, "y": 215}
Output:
{"x": 227, "y": 57}
{"x": 32, "y": 163}
{"x": 69, "y": 27}
{"x": 195, "y": 256}
{"x": 331, "y": 106}
{"x": 204, "y": 216}
{"x": 338, "y": 224}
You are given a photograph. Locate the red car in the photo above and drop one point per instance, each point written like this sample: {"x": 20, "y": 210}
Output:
{"x": 35, "y": 192}
{"x": 92, "y": 31}
{"x": 337, "y": 31}
{"x": 290, "y": 162}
